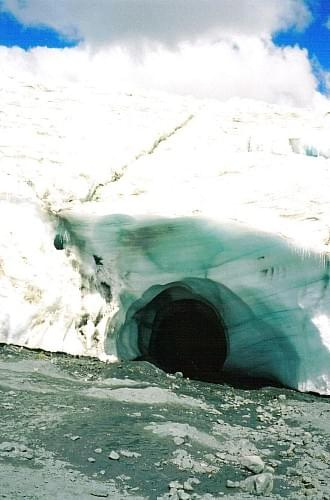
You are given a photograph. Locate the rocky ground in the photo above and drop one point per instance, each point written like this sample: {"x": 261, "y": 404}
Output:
{"x": 79, "y": 428}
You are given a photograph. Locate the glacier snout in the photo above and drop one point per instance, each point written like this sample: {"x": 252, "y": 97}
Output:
{"x": 202, "y": 297}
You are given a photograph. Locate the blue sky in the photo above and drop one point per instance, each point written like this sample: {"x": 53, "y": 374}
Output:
{"x": 13, "y": 33}
{"x": 315, "y": 38}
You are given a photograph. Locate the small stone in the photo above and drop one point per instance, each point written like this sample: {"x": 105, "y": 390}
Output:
{"x": 7, "y": 447}
{"x": 130, "y": 454}
{"x": 183, "y": 495}
{"x": 178, "y": 374}
{"x": 91, "y": 460}
{"x": 274, "y": 462}
{"x": 74, "y": 438}
{"x": 178, "y": 441}
{"x": 98, "y": 450}
{"x": 175, "y": 485}
{"x": 282, "y": 397}
{"x": 291, "y": 449}
{"x": 114, "y": 455}
{"x": 194, "y": 480}
{"x": 259, "y": 484}
{"x": 187, "y": 486}
{"x": 308, "y": 493}
{"x": 253, "y": 463}
{"x": 232, "y": 484}
{"x": 99, "y": 493}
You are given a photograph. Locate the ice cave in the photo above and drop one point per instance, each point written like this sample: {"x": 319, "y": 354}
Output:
{"x": 182, "y": 334}
{"x": 191, "y": 233}
{"x": 207, "y": 298}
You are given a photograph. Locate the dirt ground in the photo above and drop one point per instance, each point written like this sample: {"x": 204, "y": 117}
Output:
{"x": 76, "y": 428}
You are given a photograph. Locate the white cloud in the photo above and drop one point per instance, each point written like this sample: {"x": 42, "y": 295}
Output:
{"x": 250, "y": 67}
{"x": 206, "y": 48}
{"x": 161, "y": 21}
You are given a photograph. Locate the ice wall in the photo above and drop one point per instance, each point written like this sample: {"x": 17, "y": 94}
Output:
{"x": 270, "y": 297}
{"x": 243, "y": 186}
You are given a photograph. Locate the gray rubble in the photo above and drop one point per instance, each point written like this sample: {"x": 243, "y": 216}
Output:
{"x": 227, "y": 442}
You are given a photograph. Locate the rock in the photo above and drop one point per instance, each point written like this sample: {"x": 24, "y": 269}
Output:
{"x": 308, "y": 493}
{"x": 114, "y": 455}
{"x": 183, "y": 495}
{"x": 91, "y": 460}
{"x": 178, "y": 441}
{"x": 175, "y": 485}
{"x": 74, "y": 438}
{"x": 22, "y": 448}
{"x": 99, "y": 493}
{"x": 188, "y": 485}
{"x": 232, "y": 484}
{"x": 291, "y": 449}
{"x": 130, "y": 454}
{"x": 98, "y": 450}
{"x": 306, "y": 479}
{"x": 259, "y": 484}
{"x": 183, "y": 460}
{"x": 253, "y": 463}
{"x": 7, "y": 447}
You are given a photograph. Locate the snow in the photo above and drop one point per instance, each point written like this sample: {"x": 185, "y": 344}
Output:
{"x": 145, "y": 193}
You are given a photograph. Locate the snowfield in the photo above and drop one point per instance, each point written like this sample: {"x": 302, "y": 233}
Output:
{"x": 223, "y": 203}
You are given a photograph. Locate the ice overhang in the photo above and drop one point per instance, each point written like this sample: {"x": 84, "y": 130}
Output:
{"x": 203, "y": 296}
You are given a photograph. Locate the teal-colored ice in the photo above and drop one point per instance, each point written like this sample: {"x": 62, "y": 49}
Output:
{"x": 274, "y": 299}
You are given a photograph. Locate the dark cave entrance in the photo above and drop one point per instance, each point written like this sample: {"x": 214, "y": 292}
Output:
{"x": 183, "y": 335}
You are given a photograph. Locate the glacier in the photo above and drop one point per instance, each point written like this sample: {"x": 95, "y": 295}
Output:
{"x": 193, "y": 233}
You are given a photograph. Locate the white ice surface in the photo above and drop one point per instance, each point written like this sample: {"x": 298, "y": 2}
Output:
{"x": 80, "y": 153}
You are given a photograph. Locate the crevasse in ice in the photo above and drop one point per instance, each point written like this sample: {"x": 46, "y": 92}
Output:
{"x": 191, "y": 233}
